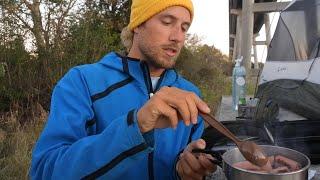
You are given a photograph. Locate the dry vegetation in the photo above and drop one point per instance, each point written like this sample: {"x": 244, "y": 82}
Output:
{"x": 16, "y": 143}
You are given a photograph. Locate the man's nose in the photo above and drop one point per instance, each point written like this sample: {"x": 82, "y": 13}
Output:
{"x": 177, "y": 35}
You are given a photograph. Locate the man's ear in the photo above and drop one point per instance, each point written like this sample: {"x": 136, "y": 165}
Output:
{"x": 136, "y": 30}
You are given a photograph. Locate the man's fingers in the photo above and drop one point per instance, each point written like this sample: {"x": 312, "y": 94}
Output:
{"x": 167, "y": 115}
{"x": 169, "y": 105}
{"x": 182, "y": 107}
{"x": 198, "y": 144}
{"x": 205, "y": 162}
{"x": 186, "y": 103}
{"x": 180, "y": 104}
{"x": 188, "y": 171}
{"x": 201, "y": 105}
{"x": 193, "y": 162}
{"x": 193, "y": 110}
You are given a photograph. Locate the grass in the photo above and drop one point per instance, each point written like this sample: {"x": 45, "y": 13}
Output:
{"x": 16, "y": 143}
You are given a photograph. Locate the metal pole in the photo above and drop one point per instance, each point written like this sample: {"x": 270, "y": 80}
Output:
{"x": 234, "y": 52}
{"x": 238, "y": 35}
{"x": 255, "y": 54}
{"x": 256, "y": 63}
{"x": 267, "y": 28}
{"x": 247, "y": 32}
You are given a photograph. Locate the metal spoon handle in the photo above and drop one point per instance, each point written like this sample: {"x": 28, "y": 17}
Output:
{"x": 220, "y": 127}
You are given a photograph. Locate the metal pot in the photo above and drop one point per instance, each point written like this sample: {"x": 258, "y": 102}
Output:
{"x": 232, "y": 173}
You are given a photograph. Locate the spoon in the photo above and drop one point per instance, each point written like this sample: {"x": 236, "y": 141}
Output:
{"x": 250, "y": 150}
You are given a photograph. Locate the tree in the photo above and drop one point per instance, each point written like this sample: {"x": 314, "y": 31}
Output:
{"x": 98, "y": 30}
{"x": 206, "y": 67}
{"x": 45, "y": 20}
{"x": 63, "y": 33}
{"x": 214, "y": 58}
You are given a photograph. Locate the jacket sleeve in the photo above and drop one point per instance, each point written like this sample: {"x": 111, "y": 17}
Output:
{"x": 65, "y": 150}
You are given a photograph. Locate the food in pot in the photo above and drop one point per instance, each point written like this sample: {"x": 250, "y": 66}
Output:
{"x": 277, "y": 164}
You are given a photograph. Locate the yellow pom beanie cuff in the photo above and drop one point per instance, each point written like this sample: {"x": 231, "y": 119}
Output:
{"x": 142, "y": 10}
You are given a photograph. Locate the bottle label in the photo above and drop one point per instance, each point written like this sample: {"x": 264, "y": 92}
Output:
{"x": 240, "y": 81}
{"x": 242, "y": 101}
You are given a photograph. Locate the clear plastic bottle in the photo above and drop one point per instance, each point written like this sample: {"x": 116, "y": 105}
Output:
{"x": 238, "y": 85}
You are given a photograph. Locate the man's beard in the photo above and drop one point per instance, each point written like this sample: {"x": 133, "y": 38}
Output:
{"x": 155, "y": 58}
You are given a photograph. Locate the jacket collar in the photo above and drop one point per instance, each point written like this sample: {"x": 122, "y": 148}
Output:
{"x": 137, "y": 69}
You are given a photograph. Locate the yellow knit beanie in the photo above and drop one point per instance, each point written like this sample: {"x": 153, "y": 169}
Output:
{"x": 142, "y": 10}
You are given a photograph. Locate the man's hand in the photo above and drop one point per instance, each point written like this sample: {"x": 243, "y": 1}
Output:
{"x": 167, "y": 106}
{"x": 194, "y": 167}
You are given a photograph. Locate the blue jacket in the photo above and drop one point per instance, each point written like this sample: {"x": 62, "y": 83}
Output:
{"x": 92, "y": 130}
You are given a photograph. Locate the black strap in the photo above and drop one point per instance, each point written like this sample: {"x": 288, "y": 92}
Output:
{"x": 130, "y": 117}
{"x": 116, "y": 161}
{"x": 110, "y": 89}
{"x": 91, "y": 122}
{"x": 150, "y": 166}
{"x": 125, "y": 66}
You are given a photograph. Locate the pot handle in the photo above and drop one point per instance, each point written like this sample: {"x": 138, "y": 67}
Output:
{"x": 216, "y": 161}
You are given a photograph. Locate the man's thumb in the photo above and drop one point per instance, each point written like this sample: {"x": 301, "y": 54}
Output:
{"x": 198, "y": 144}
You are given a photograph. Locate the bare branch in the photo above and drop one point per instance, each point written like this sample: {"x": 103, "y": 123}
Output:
{"x": 64, "y": 14}
{"x": 48, "y": 27}
{"x": 28, "y": 4}
{"x": 23, "y": 21}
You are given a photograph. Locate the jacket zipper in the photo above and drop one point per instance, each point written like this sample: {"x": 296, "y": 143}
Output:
{"x": 151, "y": 91}
{"x": 147, "y": 80}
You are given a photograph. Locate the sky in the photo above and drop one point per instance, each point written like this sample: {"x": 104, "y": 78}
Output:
{"x": 211, "y": 23}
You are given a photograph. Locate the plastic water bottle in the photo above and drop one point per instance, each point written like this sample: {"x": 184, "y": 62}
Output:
{"x": 238, "y": 85}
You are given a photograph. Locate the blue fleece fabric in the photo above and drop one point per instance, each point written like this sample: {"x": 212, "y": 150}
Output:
{"x": 92, "y": 130}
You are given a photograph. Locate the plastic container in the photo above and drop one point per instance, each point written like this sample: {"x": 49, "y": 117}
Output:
{"x": 238, "y": 85}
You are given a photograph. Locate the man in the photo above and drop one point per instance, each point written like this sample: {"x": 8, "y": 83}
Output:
{"x": 128, "y": 117}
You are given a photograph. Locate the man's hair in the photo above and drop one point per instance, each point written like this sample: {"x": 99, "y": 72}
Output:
{"x": 127, "y": 38}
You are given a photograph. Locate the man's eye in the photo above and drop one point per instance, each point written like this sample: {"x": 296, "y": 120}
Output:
{"x": 166, "y": 22}
{"x": 184, "y": 29}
